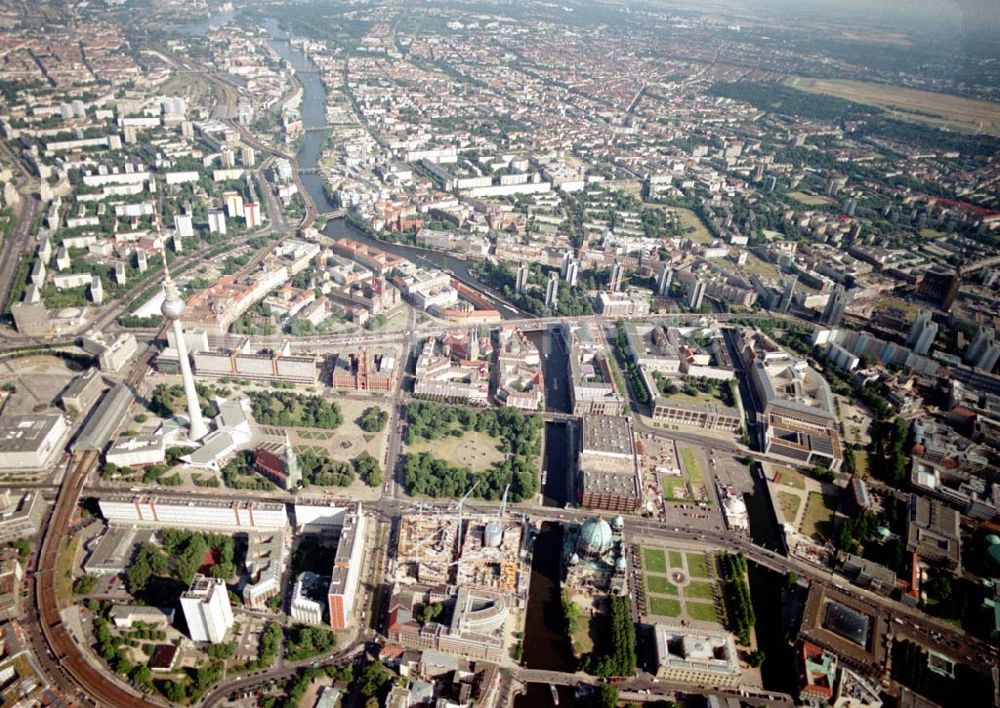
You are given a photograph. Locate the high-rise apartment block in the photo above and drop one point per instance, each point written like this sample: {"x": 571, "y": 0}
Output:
{"x": 207, "y": 610}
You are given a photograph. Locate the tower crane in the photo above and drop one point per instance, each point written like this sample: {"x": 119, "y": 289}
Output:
{"x": 459, "y": 505}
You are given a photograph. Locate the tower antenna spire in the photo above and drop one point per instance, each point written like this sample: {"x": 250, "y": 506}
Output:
{"x": 158, "y": 227}
{"x": 172, "y": 309}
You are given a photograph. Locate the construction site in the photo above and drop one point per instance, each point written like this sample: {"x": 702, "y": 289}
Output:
{"x": 461, "y": 582}
{"x": 489, "y": 554}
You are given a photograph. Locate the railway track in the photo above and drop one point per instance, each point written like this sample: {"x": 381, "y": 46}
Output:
{"x": 95, "y": 685}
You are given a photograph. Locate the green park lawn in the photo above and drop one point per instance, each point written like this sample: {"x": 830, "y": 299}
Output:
{"x": 690, "y": 220}
{"x": 697, "y": 565}
{"x": 789, "y": 504}
{"x": 819, "y": 515}
{"x": 655, "y": 560}
{"x": 788, "y": 477}
{"x": 660, "y": 585}
{"x": 691, "y": 465}
{"x": 674, "y": 489}
{"x": 808, "y": 199}
{"x": 472, "y": 450}
{"x": 664, "y": 606}
{"x": 702, "y": 591}
{"x": 702, "y": 611}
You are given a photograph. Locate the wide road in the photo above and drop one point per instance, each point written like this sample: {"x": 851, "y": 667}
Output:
{"x": 397, "y": 417}
{"x": 19, "y": 243}
{"x": 529, "y": 324}
{"x": 934, "y": 632}
{"x": 646, "y": 683}
{"x": 20, "y": 239}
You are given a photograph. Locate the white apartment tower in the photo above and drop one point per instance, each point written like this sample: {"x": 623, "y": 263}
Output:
{"x": 922, "y": 333}
{"x": 617, "y": 271}
{"x": 251, "y": 214}
{"x": 566, "y": 260}
{"x": 833, "y": 314}
{"x": 234, "y": 204}
{"x": 184, "y": 224}
{"x": 697, "y": 294}
{"x": 984, "y": 350}
{"x": 663, "y": 282}
{"x": 552, "y": 290}
{"x": 789, "y": 295}
{"x": 217, "y": 222}
{"x": 207, "y": 610}
{"x": 572, "y": 272}
{"x": 522, "y": 278}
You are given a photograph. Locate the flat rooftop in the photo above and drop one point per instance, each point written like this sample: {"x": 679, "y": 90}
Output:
{"x": 113, "y": 552}
{"x": 622, "y": 484}
{"x": 792, "y": 383}
{"x": 683, "y": 648}
{"x": 25, "y": 433}
{"x": 608, "y": 434}
{"x": 849, "y": 627}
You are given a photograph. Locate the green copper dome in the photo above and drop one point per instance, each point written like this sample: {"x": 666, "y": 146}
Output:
{"x": 595, "y": 537}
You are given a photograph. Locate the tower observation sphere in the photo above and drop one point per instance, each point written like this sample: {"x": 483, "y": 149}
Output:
{"x": 173, "y": 305}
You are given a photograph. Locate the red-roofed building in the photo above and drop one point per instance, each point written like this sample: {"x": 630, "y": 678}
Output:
{"x": 163, "y": 658}
{"x": 284, "y": 472}
{"x": 817, "y": 673}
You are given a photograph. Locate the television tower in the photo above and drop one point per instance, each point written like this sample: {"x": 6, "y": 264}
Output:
{"x": 173, "y": 307}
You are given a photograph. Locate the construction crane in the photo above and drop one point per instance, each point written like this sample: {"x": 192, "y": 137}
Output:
{"x": 493, "y": 533}
{"x": 461, "y": 502}
{"x": 421, "y": 510}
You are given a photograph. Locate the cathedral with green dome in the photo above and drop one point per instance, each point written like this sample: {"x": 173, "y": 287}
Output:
{"x": 594, "y": 556}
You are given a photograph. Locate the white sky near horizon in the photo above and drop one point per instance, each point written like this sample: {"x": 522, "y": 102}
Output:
{"x": 960, "y": 14}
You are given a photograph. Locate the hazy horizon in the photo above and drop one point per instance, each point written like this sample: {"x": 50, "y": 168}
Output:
{"x": 929, "y": 15}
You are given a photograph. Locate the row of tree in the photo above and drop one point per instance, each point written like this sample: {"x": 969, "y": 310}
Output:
{"x": 195, "y": 685}
{"x": 570, "y": 613}
{"x": 631, "y": 369}
{"x": 736, "y": 591}
{"x": 426, "y": 475}
{"x": 617, "y": 657}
